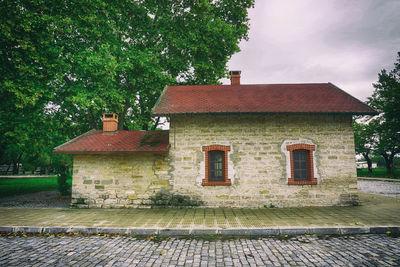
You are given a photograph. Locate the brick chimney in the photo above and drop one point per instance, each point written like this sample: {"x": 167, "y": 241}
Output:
{"x": 110, "y": 122}
{"x": 235, "y": 77}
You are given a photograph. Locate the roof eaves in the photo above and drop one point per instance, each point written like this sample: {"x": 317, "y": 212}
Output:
{"x": 161, "y": 114}
{"x": 352, "y": 98}
{"x": 79, "y": 152}
{"x": 269, "y": 112}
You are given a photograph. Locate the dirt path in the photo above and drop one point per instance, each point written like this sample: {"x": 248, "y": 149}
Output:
{"x": 44, "y": 199}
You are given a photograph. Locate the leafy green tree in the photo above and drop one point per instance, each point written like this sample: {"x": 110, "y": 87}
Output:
{"x": 64, "y": 63}
{"x": 386, "y": 99}
{"x": 387, "y": 143}
{"x": 364, "y": 140}
{"x": 25, "y": 57}
{"x": 119, "y": 55}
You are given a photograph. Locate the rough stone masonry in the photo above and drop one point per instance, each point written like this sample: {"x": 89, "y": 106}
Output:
{"x": 258, "y": 163}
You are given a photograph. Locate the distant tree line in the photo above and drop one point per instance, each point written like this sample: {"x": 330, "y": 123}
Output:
{"x": 379, "y": 136}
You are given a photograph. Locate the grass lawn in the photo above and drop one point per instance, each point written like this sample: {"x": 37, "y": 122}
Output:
{"x": 379, "y": 173}
{"x": 20, "y": 186}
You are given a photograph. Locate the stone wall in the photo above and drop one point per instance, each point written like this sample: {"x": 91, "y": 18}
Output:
{"x": 105, "y": 181}
{"x": 257, "y": 162}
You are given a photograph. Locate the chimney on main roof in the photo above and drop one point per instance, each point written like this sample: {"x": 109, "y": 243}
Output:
{"x": 110, "y": 122}
{"x": 235, "y": 76}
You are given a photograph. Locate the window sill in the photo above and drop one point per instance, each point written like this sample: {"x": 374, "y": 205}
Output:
{"x": 205, "y": 182}
{"x": 308, "y": 182}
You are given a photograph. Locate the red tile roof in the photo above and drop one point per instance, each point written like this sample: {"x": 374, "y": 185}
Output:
{"x": 99, "y": 142}
{"x": 259, "y": 98}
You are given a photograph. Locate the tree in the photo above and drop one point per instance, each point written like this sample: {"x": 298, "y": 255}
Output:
{"x": 364, "y": 140}
{"x": 119, "y": 55}
{"x": 387, "y": 142}
{"x": 64, "y": 63}
{"x": 25, "y": 56}
{"x": 386, "y": 99}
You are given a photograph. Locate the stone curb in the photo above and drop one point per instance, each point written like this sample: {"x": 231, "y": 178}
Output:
{"x": 378, "y": 179}
{"x": 344, "y": 230}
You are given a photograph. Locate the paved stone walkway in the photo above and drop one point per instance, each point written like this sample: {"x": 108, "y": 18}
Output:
{"x": 380, "y": 187}
{"x": 356, "y": 250}
{"x": 375, "y": 210}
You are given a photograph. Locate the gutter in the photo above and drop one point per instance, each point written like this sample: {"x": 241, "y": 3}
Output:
{"x": 265, "y": 113}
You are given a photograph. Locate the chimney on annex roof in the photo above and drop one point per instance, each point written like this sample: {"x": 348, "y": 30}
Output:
{"x": 235, "y": 77}
{"x": 110, "y": 122}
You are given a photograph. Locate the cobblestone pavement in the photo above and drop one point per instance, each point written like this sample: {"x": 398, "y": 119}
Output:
{"x": 356, "y": 250}
{"x": 380, "y": 187}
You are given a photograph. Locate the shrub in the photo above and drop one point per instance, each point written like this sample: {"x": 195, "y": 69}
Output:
{"x": 165, "y": 198}
{"x": 63, "y": 187}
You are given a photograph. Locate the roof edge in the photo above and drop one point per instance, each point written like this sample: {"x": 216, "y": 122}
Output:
{"x": 124, "y": 152}
{"x": 360, "y": 108}
{"x": 266, "y": 112}
{"x": 153, "y": 110}
{"x": 246, "y": 84}
{"x": 72, "y": 140}
{"x": 57, "y": 150}
{"x": 373, "y": 111}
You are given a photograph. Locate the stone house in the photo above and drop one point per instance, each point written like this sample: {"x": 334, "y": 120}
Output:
{"x": 232, "y": 145}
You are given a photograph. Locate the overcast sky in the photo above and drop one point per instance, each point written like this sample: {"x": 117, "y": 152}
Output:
{"x": 346, "y": 42}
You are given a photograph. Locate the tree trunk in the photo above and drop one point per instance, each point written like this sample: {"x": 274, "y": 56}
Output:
{"x": 156, "y": 123}
{"x": 8, "y": 168}
{"x": 91, "y": 119}
{"x": 15, "y": 167}
{"x": 16, "y": 164}
{"x": 63, "y": 187}
{"x": 122, "y": 116}
{"x": 388, "y": 162}
{"x": 369, "y": 162}
{"x": 121, "y": 120}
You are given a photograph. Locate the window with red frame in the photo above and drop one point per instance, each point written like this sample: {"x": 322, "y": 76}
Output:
{"x": 216, "y": 165}
{"x": 301, "y": 164}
